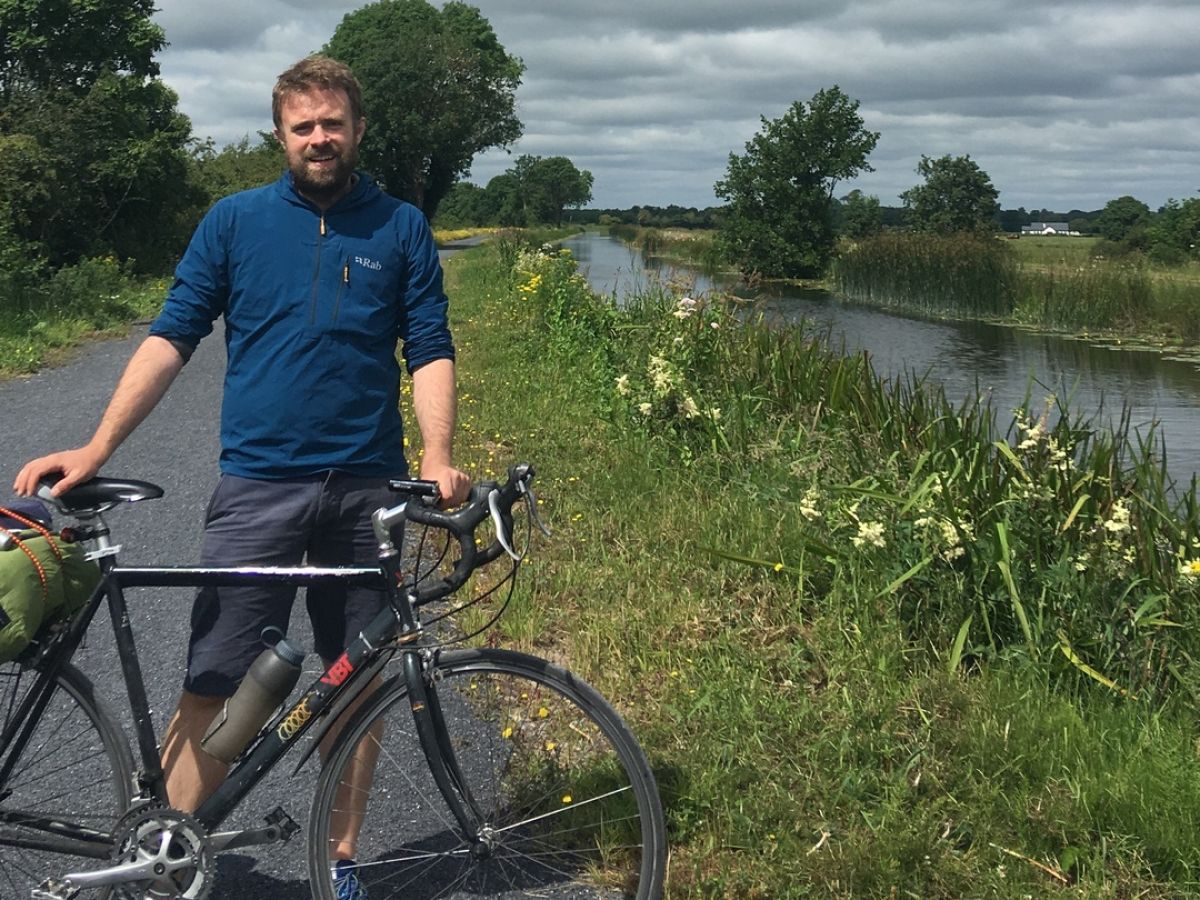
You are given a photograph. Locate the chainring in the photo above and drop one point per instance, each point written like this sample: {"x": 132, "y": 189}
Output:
{"x": 177, "y": 847}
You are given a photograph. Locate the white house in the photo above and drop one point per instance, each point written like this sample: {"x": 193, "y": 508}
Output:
{"x": 1047, "y": 228}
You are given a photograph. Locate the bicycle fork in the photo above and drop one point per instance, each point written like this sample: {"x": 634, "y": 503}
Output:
{"x": 439, "y": 752}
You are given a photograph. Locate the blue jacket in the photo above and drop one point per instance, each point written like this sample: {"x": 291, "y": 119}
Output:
{"x": 314, "y": 306}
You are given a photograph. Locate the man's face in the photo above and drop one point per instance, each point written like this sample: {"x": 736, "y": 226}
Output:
{"x": 321, "y": 138}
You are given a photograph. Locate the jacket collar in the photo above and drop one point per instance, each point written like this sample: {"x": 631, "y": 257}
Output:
{"x": 365, "y": 189}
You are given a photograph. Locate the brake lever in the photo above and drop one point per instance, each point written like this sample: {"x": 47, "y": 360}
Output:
{"x": 498, "y": 521}
{"x": 531, "y": 502}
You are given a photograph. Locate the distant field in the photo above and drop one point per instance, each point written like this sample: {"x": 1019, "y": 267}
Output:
{"x": 1052, "y": 251}
{"x": 1055, "y": 252}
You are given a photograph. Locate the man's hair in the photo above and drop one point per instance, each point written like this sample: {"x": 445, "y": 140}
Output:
{"x": 313, "y": 72}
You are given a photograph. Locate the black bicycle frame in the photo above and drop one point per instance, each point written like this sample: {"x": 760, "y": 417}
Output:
{"x": 393, "y": 630}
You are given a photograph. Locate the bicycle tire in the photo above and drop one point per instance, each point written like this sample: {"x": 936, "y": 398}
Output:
{"x": 76, "y": 769}
{"x": 564, "y": 787}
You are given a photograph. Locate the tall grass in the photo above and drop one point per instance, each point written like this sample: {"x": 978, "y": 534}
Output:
{"x": 45, "y": 315}
{"x": 966, "y": 275}
{"x": 876, "y": 645}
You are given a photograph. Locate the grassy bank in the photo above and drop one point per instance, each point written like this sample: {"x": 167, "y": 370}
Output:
{"x": 873, "y": 648}
{"x": 1062, "y": 287}
{"x": 41, "y": 318}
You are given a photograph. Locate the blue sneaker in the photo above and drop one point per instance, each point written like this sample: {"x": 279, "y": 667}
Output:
{"x": 345, "y": 881}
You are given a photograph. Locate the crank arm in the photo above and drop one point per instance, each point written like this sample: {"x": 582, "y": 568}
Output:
{"x": 279, "y": 828}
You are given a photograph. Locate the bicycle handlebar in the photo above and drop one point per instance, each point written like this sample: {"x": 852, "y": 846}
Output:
{"x": 487, "y": 499}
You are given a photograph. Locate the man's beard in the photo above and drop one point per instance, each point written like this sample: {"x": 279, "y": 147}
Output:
{"x": 324, "y": 185}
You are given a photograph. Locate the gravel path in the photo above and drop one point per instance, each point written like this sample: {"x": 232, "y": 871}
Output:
{"x": 175, "y": 448}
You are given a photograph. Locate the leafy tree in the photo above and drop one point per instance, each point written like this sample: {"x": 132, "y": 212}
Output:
{"x": 779, "y": 220}
{"x": 1012, "y": 220}
{"x": 239, "y": 166}
{"x": 70, "y": 44}
{"x": 1120, "y": 217}
{"x": 550, "y": 185}
{"x": 464, "y": 204}
{"x": 861, "y": 215}
{"x": 94, "y": 154}
{"x": 957, "y": 196}
{"x": 1174, "y": 234}
{"x": 438, "y": 88}
{"x": 113, "y": 157}
{"x": 502, "y": 201}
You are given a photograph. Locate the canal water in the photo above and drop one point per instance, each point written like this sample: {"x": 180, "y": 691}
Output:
{"x": 1006, "y": 363}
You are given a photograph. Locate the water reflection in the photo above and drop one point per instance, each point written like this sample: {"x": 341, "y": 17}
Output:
{"x": 1004, "y": 362}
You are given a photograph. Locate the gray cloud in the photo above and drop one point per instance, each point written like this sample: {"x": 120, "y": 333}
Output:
{"x": 1065, "y": 105}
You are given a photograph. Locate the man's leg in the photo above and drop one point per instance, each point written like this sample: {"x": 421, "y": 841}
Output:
{"x": 248, "y": 522}
{"x": 192, "y": 775}
{"x": 344, "y": 537}
{"x": 354, "y": 790}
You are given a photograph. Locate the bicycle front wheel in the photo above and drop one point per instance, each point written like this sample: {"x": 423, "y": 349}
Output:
{"x": 64, "y": 788}
{"x": 567, "y": 803}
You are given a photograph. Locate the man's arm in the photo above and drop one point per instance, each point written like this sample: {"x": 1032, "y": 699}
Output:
{"x": 150, "y": 372}
{"x": 435, "y": 402}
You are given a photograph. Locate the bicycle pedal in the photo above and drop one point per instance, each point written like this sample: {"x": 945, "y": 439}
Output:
{"x": 286, "y": 824}
{"x": 53, "y": 889}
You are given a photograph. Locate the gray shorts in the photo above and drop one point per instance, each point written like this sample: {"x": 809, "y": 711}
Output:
{"x": 323, "y": 518}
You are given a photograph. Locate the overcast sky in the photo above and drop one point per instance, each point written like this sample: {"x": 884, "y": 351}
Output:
{"x": 1065, "y": 104}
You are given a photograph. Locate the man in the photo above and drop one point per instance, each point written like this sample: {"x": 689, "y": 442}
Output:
{"x": 317, "y": 276}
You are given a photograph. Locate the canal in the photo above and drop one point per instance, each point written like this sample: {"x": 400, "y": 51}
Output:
{"x": 1005, "y": 363}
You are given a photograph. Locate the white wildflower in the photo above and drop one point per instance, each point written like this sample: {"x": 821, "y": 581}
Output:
{"x": 1119, "y": 523}
{"x": 869, "y": 533}
{"x": 808, "y": 506}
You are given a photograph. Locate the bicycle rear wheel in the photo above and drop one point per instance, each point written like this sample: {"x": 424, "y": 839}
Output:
{"x": 72, "y": 777}
{"x": 568, "y": 803}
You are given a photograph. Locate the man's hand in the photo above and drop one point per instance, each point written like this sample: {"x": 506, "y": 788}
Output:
{"x": 453, "y": 485}
{"x": 76, "y": 466}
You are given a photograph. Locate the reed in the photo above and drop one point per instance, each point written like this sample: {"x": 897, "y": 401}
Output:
{"x": 959, "y": 274}
{"x": 1059, "y": 287}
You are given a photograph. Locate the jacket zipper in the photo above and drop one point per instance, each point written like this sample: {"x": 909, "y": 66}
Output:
{"x": 316, "y": 281}
{"x": 343, "y": 286}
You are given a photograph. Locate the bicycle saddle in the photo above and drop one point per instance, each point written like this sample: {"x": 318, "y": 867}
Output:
{"x": 97, "y": 494}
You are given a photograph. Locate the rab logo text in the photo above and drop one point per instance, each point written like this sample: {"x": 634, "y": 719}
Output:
{"x": 368, "y": 263}
{"x": 338, "y": 672}
{"x": 295, "y": 721}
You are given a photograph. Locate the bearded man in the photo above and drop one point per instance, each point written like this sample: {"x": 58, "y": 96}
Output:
{"x": 318, "y": 277}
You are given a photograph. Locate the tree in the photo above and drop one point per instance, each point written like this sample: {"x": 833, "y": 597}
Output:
{"x": 70, "y": 44}
{"x": 861, "y": 215}
{"x": 957, "y": 196}
{"x": 1120, "y": 217}
{"x": 95, "y": 154}
{"x": 1013, "y": 220}
{"x": 465, "y": 204}
{"x": 550, "y": 185}
{"x": 239, "y": 166}
{"x": 437, "y": 88}
{"x": 779, "y": 220}
{"x": 502, "y": 201}
{"x": 1174, "y": 234}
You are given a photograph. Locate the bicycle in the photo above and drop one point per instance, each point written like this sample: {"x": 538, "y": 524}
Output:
{"x": 532, "y": 785}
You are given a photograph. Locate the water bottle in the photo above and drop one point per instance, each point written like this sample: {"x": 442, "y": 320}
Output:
{"x": 267, "y": 684}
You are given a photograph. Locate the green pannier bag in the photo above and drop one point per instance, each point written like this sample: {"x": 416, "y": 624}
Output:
{"x": 43, "y": 580}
